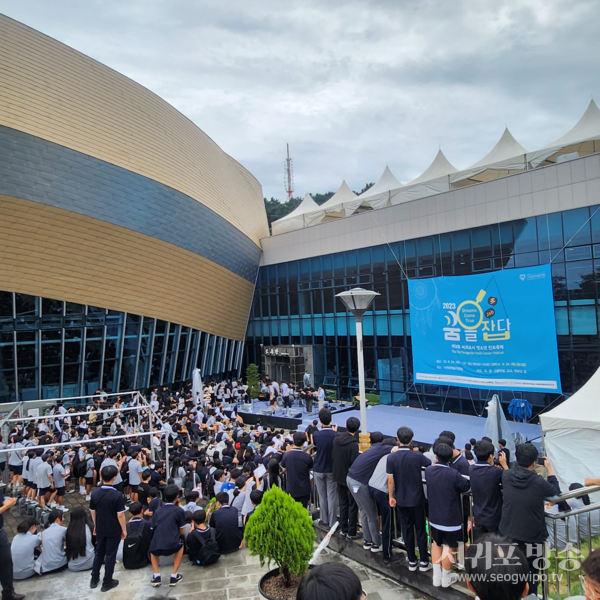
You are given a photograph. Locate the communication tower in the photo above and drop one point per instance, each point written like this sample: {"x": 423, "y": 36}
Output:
{"x": 288, "y": 178}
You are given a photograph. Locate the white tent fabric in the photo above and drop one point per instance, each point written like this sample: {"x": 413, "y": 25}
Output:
{"x": 583, "y": 138}
{"x": 572, "y": 433}
{"x": 296, "y": 219}
{"x": 506, "y": 156}
{"x": 342, "y": 204}
{"x": 378, "y": 196}
{"x": 496, "y": 426}
{"x": 196, "y": 383}
{"x": 434, "y": 180}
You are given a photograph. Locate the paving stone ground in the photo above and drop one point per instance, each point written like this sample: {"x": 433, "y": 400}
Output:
{"x": 233, "y": 577}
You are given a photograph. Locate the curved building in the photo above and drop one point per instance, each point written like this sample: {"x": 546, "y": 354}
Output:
{"x": 129, "y": 241}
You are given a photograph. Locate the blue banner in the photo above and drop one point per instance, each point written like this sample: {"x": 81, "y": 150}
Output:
{"x": 492, "y": 331}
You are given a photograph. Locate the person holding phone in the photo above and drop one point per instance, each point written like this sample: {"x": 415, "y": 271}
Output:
{"x": 523, "y": 518}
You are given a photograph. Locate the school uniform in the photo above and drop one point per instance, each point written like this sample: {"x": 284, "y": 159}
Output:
{"x": 405, "y": 466}
{"x": 323, "y": 474}
{"x": 486, "y": 485}
{"x": 138, "y": 524}
{"x": 53, "y": 556}
{"x": 167, "y": 522}
{"x": 444, "y": 488}
{"x": 22, "y": 551}
{"x": 460, "y": 464}
{"x": 108, "y": 503}
{"x": 229, "y": 535}
{"x": 43, "y": 474}
{"x": 378, "y": 489}
{"x": 298, "y": 465}
{"x": 58, "y": 477}
{"x": 135, "y": 471}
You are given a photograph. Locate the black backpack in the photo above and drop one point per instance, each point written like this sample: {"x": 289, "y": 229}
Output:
{"x": 135, "y": 553}
{"x": 209, "y": 553}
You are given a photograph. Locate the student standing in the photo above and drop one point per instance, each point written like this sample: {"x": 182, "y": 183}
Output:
{"x": 444, "y": 489}
{"x": 345, "y": 452}
{"x": 107, "y": 508}
{"x": 405, "y": 486}
{"x": 298, "y": 465}
{"x": 168, "y": 524}
{"x": 323, "y": 469}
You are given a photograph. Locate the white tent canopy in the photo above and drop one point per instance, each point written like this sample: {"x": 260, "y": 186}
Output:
{"x": 434, "y": 180}
{"x": 583, "y": 138}
{"x": 342, "y": 204}
{"x": 378, "y": 196}
{"x": 505, "y": 157}
{"x": 296, "y": 219}
{"x": 572, "y": 434}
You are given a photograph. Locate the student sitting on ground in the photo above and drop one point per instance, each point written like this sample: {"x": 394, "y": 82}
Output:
{"x": 225, "y": 521}
{"x": 202, "y": 546}
{"x": 136, "y": 548}
{"x": 53, "y": 557}
{"x": 23, "y": 548}
{"x": 153, "y": 504}
{"x": 168, "y": 524}
{"x": 78, "y": 540}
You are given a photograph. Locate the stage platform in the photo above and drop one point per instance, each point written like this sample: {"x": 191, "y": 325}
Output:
{"x": 427, "y": 424}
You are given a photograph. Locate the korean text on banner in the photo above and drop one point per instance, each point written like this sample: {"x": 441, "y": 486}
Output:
{"x": 492, "y": 331}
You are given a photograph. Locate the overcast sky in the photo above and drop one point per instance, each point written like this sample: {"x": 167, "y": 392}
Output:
{"x": 352, "y": 86}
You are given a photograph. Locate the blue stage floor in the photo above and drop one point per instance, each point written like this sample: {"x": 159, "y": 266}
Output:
{"x": 427, "y": 424}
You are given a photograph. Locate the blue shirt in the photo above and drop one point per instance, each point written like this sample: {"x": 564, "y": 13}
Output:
{"x": 323, "y": 441}
{"x": 363, "y": 467}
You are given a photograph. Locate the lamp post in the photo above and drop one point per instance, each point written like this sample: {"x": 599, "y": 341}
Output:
{"x": 357, "y": 301}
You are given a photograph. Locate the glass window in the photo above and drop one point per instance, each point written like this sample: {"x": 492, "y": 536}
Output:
{"x": 326, "y": 266}
{"x": 293, "y": 272}
{"x": 304, "y": 266}
{"x": 351, "y": 262}
{"x": 482, "y": 242}
{"x": 581, "y": 280}
{"x": 559, "y": 282}
{"x": 6, "y": 304}
{"x": 364, "y": 260}
{"x": 525, "y": 235}
{"x": 425, "y": 251}
{"x": 315, "y": 267}
{"x": 52, "y": 307}
{"x": 26, "y": 306}
{"x": 577, "y": 226}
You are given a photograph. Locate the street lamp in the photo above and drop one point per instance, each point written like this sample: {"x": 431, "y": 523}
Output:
{"x": 357, "y": 301}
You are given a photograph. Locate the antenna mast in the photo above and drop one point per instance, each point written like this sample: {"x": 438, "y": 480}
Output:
{"x": 288, "y": 179}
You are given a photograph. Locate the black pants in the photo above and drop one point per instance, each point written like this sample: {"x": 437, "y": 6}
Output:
{"x": 348, "y": 510}
{"x": 412, "y": 518}
{"x": 106, "y": 548}
{"x": 287, "y": 401}
{"x": 532, "y": 553}
{"x": 6, "y": 565}
{"x": 382, "y": 500}
{"x": 302, "y": 499}
{"x": 480, "y": 530}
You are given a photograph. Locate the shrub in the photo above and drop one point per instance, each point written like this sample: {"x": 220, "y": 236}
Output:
{"x": 281, "y": 531}
{"x": 253, "y": 381}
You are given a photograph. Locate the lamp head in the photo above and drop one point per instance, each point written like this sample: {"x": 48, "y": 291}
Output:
{"x": 357, "y": 300}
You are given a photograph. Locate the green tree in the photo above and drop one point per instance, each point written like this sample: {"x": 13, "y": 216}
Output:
{"x": 253, "y": 380}
{"x": 281, "y": 531}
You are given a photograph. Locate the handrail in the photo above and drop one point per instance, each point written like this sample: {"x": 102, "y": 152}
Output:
{"x": 590, "y": 489}
{"x": 574, "y": 511}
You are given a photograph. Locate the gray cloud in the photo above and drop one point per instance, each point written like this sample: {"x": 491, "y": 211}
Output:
{"x": 352, "y": 86}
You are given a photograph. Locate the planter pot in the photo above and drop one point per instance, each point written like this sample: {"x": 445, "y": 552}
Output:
{"x": 268, "y": 575}
{"x": 271, "y": 573}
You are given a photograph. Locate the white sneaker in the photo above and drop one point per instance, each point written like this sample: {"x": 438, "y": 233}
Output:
{"x": 64, "y": 509}
{"x": 437, "y": 578}
{"x": 425, "y": 566}
{"x": 376, "y": 549}
{"x": 53, "y": 504}
{"x": 88, "y": 498}
{"x": 448, "y": 580}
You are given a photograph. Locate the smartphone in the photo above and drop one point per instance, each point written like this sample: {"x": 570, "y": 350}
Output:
{"x": 541, "y": 461}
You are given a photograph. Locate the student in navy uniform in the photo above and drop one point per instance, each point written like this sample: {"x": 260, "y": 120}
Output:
{"x": 139, "y": 524}
{"x": 444, "y": 488}
{"x": 405, "y": 487}
{"x": 358, "y": 483}
{"x": 225, "y": 521}
{"x": 107, "y": 508}
{"x": 486, "y": 486}
{"x": 201, "y": 532}
{"x": 298, "y": 465}
{"x": 168, "y": 524}
{"x": 323, "y": 468}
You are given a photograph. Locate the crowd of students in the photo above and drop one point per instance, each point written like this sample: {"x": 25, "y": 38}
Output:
{"x": 218, "y": 471}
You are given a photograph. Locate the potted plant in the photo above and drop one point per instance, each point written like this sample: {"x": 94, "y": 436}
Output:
{"x": 281, "y": 532}
{"x": 253, "y": 381}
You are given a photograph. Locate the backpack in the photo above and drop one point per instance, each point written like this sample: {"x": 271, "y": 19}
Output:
{"x": 135, "y": 554}
{"x": 125, "y": 470}
{"x": 209, "y": 553}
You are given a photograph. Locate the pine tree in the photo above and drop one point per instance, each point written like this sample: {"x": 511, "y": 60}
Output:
{"x": 281, "y": 531}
